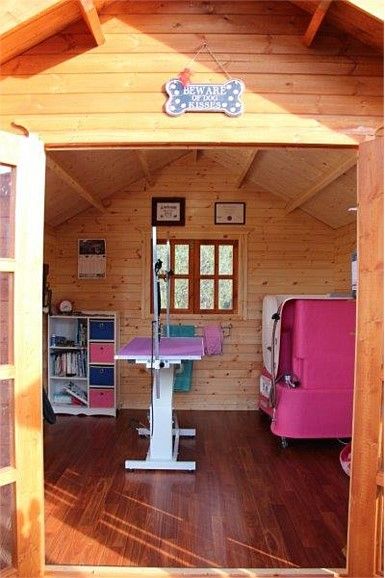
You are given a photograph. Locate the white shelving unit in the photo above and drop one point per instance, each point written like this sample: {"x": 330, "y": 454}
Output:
{"x": 82, "y": 372}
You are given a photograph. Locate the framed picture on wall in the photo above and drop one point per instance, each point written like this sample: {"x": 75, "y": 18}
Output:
{"x": 91, "y": 258}
{"x": 230, "y": 213}
{"x": 168, "y": 211}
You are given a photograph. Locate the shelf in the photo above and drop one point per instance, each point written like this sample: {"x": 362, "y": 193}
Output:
{"x": 101, "y": 386}
{"x": 74, "y": 354}
{"x": 82, "y": 410}
{"x": 72, "y": 317}
{"x": 69, "y": 348}
{"x": 68, "y": 377}
{"x": 76, "y": 396}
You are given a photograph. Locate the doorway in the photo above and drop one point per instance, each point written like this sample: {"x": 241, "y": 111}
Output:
{"x": 294, "y": 249}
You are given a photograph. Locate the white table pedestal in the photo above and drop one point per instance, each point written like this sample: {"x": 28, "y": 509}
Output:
{"x": 164, "y": 431}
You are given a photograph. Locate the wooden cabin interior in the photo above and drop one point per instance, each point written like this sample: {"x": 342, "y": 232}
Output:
{"x": 291, "y": 189}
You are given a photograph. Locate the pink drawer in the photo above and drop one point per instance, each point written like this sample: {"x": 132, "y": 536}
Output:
{"x": 101, "y": 353}
{"x": 101, "y": 397}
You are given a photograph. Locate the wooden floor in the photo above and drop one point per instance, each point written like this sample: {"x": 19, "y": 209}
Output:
{"x": 249, "y": 504}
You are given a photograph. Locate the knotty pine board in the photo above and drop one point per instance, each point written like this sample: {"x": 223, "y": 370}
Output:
{"x": 346, "y": 243}
{"x": 286, "y": 254}
{"x": 71, "y": 92}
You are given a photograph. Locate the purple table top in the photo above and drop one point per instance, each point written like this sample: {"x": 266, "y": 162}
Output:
{"x": 170, "y": 348}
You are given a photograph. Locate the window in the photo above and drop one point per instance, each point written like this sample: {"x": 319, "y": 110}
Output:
{"x": 204, "y": 276}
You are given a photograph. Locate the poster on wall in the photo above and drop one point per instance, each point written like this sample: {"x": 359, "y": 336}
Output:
{"x": 92, "y": 259}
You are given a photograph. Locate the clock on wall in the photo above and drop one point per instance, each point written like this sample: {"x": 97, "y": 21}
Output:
{"x": 65, "y": 306}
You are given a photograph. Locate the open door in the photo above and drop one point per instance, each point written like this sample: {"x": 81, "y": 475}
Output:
{"x": 367, "y": 482}
{"x": 22, "y": 173}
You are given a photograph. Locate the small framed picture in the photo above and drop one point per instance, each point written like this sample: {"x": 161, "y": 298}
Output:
{"x": 91, "y": 258}
{"x": 230, "y": 213}
{"x": 168, "y": 211}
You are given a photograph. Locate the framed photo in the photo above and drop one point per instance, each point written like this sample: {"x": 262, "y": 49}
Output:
{"x": 168, "y": 211}
{"x": 230, "y": 213}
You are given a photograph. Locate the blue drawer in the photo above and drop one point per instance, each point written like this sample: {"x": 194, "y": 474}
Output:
{"x": 101, "y": 375}
{"x": 101, "y": 329}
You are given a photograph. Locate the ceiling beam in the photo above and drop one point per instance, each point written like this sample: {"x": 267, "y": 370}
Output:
{"x": 62, "y": 173}
{"x": 242, "y": 178}
{"x": 316, "y": 21}
{"x": 145, "y": 167}
{"x": 91, "y": 18}
{"x": 322, "y": 184}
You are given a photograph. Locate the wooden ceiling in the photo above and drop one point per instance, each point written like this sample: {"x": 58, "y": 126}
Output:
{"x": 321, "y": 182}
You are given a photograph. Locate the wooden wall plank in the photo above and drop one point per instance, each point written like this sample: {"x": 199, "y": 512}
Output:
{"x": 71, "y": 41}
{"x": 141, "y": 83}
{"x": 153, "y": 103}
{"x": 346, "y": 243}
{"x": 278, "y": 7}
{"x": 70, "y": 92}
{"x": 172, "y": 63}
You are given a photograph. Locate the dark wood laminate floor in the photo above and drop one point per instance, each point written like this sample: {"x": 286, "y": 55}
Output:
{"x": 249, "y": 504}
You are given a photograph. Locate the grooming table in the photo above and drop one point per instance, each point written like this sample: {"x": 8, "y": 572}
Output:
{"x": 164, "y": 430}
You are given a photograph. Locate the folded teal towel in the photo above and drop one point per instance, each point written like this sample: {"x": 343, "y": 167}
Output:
{"x": 183, "y": 375}
{"x": 182, "y": 330}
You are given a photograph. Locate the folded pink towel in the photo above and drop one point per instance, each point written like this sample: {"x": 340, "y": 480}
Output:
{"x": 213, "y": 339}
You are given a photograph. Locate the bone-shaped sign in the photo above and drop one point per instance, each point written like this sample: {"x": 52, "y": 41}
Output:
{"x": 204, "y": 97}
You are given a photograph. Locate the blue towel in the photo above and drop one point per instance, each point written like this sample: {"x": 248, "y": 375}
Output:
{"x": 183, "y": 375}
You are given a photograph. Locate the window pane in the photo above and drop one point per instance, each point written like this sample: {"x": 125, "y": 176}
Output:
{"x": 225, "y": 259}
{"x": 6, "y": 318}
{"x": 6, "y": 423}
{"x": 7, "y": 214}
{"x": 225, "y": 288}
{"x": 181, "y": 293}
{"x": 7, "y": 523}
{"x": 181, "y": 264}
{"x": 161, "y": 251}
{"x": 163, "y": 293}
{"x": 206, "y": 294}
{"x": 207, "y": 260}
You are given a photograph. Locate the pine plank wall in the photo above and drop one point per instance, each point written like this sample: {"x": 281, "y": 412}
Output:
{"x": 70, "y": 91}
{"x": 285, "y": 254}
